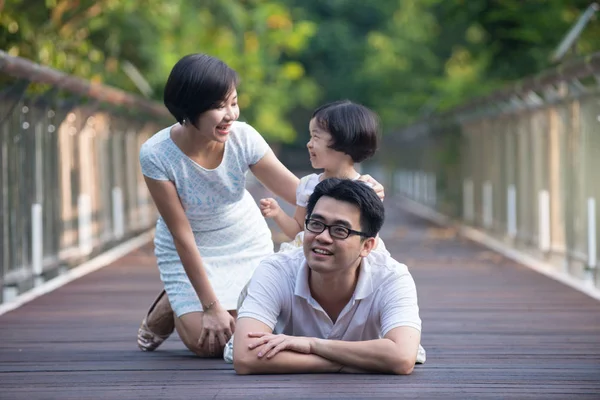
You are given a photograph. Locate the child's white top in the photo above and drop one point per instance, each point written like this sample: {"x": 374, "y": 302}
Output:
{"x": 306, "y": 187}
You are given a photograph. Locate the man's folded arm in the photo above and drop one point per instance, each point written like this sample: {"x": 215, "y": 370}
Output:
{"x": 246, "y": 360}
{"x": 396, "y": 353}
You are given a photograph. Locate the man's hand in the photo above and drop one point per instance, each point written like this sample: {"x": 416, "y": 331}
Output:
{"x": 273, "y": 344}
{"x": 269, "y": 207}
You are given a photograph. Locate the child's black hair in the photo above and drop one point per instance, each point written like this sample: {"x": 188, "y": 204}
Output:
{"x": 353, "y": 127}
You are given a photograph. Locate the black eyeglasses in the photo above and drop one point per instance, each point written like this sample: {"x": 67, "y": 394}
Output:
{"x": 335, "y": 231}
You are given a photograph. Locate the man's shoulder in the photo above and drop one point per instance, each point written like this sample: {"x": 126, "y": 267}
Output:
{"x": 284, "y": 263}
{"x": 385, "y": 268}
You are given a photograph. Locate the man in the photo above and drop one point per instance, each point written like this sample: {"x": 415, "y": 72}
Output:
{"x": 326, "y": 307}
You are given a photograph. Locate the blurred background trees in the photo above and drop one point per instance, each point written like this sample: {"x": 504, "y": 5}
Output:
{"x": 404, "y": 58}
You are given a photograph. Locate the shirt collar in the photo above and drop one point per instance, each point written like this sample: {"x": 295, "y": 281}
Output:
{"x": 302, "y": 289}
{"x": 364, "y": 286}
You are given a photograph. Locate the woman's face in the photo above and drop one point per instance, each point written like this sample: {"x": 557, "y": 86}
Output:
{"x": 215, "y": 124}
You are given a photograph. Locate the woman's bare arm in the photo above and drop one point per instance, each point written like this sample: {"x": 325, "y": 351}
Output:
{"x": 170, "y": 208}
{"x": 276, "y": 177}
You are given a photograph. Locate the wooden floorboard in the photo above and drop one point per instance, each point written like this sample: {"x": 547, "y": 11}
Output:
{"x": 491, "y": 328}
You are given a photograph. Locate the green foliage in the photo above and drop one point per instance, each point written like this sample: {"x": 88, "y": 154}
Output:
{"x": 97, "y": 39}
{"x": 404, "y": 58}
{"x": 409, "y": 58}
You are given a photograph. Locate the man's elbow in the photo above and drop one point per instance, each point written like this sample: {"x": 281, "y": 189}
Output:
{"x": 246, "y": 364}
{"x": 404, "y": 369}
{"x": 242, "y": 366}
{"x": 404, "y": 366}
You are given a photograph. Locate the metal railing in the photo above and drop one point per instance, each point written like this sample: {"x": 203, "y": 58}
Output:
{"x": 69, "y": 171}
{"x": 521, "y": 164}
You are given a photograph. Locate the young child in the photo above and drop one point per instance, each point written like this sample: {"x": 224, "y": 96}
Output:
{"x": 342, "y": 133}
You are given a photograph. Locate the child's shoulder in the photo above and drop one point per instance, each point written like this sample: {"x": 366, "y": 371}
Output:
{"x": 308, "y": 183}
{"x": 305, "y": 188}
{"x": 310, "y": 178}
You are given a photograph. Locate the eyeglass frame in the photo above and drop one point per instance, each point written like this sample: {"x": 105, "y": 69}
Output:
{"x": 328, "y": 227}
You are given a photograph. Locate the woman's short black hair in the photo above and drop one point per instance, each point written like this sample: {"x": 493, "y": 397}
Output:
{"x": 198, "y": 83}
{"x": 357, "y": 193}
{"x": 353, "y": 127}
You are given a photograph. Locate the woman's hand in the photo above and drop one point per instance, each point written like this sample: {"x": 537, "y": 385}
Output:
{"x": 217, "y": 327}
{"x": 269, "y": 207}
{"x": 377, "y": 187}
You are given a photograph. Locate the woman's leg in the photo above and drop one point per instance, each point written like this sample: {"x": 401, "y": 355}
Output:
{"x": 189, "y": 327}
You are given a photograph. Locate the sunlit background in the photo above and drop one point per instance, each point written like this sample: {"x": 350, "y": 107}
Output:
{"x": 403, "y": 58}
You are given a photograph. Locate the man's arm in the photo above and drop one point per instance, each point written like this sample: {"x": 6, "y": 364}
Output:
{"x": 396, "y": 353}
{"x": 246, "y": 360}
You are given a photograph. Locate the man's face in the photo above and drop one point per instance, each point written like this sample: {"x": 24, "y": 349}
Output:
{"x": 325, "y": 254}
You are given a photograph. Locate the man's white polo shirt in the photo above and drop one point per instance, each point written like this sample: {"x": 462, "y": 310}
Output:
{"x": 279, "y": 296}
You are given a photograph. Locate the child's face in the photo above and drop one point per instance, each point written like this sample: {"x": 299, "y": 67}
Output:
{"x": 321, "y": 156}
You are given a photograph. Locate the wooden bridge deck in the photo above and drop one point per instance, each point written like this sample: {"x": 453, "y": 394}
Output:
{"x": 492, "y": 329}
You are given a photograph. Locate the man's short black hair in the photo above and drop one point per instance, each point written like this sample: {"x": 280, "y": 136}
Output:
{"x": 198, "y": 83}
{"x": 353, "y": 127}
{"x": 372, "y": 213}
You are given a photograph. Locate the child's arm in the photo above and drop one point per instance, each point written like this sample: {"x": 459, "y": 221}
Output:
{"x": 290, "y": 226}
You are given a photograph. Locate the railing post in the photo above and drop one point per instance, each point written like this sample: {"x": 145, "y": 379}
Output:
{"x": 37, "y": 240}
{"x": 432, "y": 190}
{"x": 84, "y": 211}
{"x": 487, "y": 205}
{"x": 417, "y": 185}
{"x": 142, "y": 205}
{"x": 4, "y": 246}
{"x": 544, "y": 220}
{"x": 37, "y": 209}
{"x": 591, "y": 214}
{"x": 118, "y": 221}
{"x": 468, "y": 201}
{"x": 511, "y": 211}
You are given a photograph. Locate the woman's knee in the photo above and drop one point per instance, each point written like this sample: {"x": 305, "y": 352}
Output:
{"x": 204, "y": 351}
{"x": 189, "y": 328}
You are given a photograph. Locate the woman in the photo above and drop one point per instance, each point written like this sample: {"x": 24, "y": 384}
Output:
{"x": 210, "y": 235}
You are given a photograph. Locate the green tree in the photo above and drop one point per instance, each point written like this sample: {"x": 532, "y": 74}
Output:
{"x": 406, "y": 59}
{"x": 104, "y": 40}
